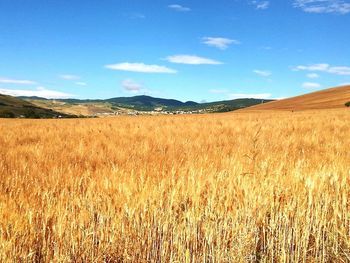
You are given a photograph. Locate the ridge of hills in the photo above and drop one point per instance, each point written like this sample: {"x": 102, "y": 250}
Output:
{"x": 141, "y": 104}
{"x": 37, "y": 107}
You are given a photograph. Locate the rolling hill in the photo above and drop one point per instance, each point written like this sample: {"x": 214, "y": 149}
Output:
{"x": 150, "y": 102}
{"x": 325, "y": 99}
{"x": 137, "y": 103}
{"x": 12, "y": 107}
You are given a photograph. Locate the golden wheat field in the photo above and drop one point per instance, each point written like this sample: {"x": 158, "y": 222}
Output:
{"x": 237, "y": 187}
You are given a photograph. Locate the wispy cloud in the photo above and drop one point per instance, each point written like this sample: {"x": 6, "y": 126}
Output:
{"x": 137, "y": 16}
{"x": 69, "y": 77}
{"x": 266, "y": 48}
{"x": 74, "y": 78}
{"x": 192, "y": 60}
{"x": 314, "y": 67}
{"x": 338, "y": 70}
{"x": 218, "y": 91}
{"x": 16, "y": 81}
{"x": 140, "y": 67}
{"x": 179, "y": 8}
{"x": 80, "y": 83}
{"x": 38, "y": 92}
{"x": 262, "y": 73}
{"x": 131, "y": 85}
{"x": 311, "y": 85}
{"x": 233, "y": 96}
{"x": 323, "y": 6}
{"x": 261, "y": 5}
{"x": 250, "y": 95}
{"x": 312, "y": 76}
{"x": 134, "y": 87}
{"x": 219, "y": 42}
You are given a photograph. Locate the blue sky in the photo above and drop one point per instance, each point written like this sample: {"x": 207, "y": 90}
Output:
{"x": 188, "y": 50}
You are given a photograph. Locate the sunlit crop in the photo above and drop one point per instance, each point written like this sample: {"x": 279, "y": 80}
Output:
{"x": 237, "y": 187}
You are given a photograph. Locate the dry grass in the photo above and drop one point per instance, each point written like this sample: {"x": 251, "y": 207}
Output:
{"x": 324, "y": 99}
{"x": 213, "y": 188}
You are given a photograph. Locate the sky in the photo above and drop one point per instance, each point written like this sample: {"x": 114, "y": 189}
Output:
{"x": 188, "y": 50}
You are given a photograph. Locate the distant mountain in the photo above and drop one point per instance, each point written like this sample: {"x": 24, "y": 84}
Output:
{"x": 136, "y": 102}
{"x": 12, "y": 107}
{"x": 142, "y": 103}
{"x": 229, "y": 105}
{"x": 149, "y": 103}
{"x": 324, "y": 99}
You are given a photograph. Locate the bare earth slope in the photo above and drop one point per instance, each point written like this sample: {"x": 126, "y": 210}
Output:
{"x": 325, "y": 99}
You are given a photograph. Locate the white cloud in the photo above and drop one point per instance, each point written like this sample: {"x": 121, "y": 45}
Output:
{"x": 137, "y": 16}
{"x": 69, "y": 77}
{"x": 312, "y": 76}
{"x": 80, "y": 83}
{"x": 261, "y": 5}
{"x": 179, "y": 8}
{"x": 192, "y": 60}
{"x": 338, "y": 70}
{"x": 140, "y": 67}
{"x": 219, "y": 42}
{"x": 131, "y": 85}
{"x": 314, "y": 67}
{"x": 266, "y": 48}
{"x": 39, "y": 92}
{"x": 311, "y": 85}
{"x": 323, "y": 6}
{"x": 250, "y": 96}
{"x": 17, "y": 81}
{"x": 344, "y": 84}
{"x": 218, "y": 91}
{"x": 262, "y": 73}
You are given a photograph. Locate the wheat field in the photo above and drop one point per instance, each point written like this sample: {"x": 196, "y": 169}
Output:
{"x": 236, "y": 187}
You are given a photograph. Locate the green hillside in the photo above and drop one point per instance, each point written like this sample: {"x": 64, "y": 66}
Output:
{"x": 12, "y": 107}
{"x": 148, "y": 103}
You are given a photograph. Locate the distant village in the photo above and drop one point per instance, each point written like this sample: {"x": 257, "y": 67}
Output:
{"x": 154, "y": 112}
